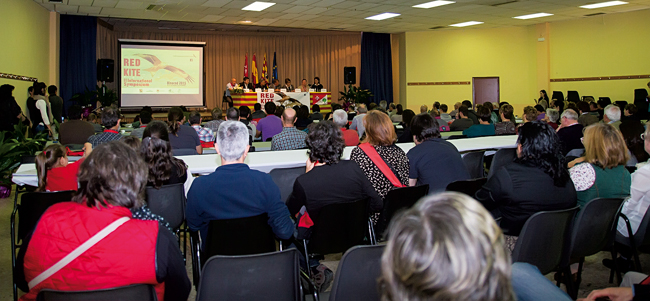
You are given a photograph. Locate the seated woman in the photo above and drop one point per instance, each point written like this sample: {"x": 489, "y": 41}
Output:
{"x": 552, "y": 117}
{"x": 303, "y": 117}
{"x": 380, "y": 136}
{"x": 157, "y": 154}
{"x": 182, "y": 136}
{"x": 632, "y": 131}
{"x": 53, "y": 170}
{"x": 134, "y": 252}
{"x": 507, "y": 125}
{"x": 397, "y": 117}
{"x": 537, "y": 180}
{"x": 601, "y": 172}
{"x": 406, "y": 136}
{"x": 484, "y": 127}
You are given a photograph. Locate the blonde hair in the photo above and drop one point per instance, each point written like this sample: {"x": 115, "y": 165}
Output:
{"x": 379, "y": 129}
{"x": 605, "y": 146}
{"x": 447, "y": 247}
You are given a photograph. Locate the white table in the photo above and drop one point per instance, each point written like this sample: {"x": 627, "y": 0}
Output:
{"x": 266, "y": 161}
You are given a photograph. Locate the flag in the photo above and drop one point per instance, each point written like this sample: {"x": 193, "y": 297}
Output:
{"x": 275, "y": 67}
{"x": 265, "y": 70}
{"x": 246, "y": 65}
{"x": 254, "y": 71}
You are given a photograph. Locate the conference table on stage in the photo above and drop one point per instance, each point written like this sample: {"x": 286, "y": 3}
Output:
{"x": 322, "y": 99}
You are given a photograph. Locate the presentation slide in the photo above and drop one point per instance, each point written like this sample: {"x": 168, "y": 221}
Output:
{"x": 157, "y": 74}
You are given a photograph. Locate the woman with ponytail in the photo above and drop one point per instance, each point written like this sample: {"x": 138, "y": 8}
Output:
{"x": 54, "y": 171}
{"x": 182, "y": 136}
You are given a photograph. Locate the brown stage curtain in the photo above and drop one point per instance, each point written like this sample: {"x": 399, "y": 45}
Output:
{"x": 318, "y": 53}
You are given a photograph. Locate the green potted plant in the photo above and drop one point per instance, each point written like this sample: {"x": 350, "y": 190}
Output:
{"x": 352, "y": 95}
{"x": 107, "y": 98}
{"x": 14, "y": 145}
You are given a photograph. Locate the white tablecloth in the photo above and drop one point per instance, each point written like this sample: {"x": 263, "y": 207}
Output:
{"x": 266, "y": 161}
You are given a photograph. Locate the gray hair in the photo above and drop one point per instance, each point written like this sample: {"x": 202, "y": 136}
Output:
{"x": 362, "y": 108}
{"x": 340, "y": 118}
{"x": 553, "y": 115}
{"x": 383, "y": 104}
{"x": 570, "y": 114}
{"x": 613, "y": 112}
{"x": 232, "y": 139}
{"x": 446, "y": 247}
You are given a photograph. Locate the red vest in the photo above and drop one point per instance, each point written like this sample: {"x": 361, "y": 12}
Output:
{"x": 126, "y": 256}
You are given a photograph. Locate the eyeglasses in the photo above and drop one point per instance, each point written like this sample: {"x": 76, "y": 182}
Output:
{"x": 643, "y": 136}
{"x": 582, "y": 140}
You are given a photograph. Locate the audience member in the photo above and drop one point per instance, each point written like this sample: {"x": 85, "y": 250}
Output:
{"x": 471, "y": 114}
{"x": 603, "y": 102}
{"x": 182, "y": 136}
{"x": 56, "y": 104}
{"x": 217, "y": 119}
{"x": 552, "y": 116}
{"x": 586, "y": 118}
{"x": 424, "y": 109}
{"x": 446, "y": 118}
{"x": 111, "y": 122}
{"x": 537, "y": 180}
{"x": 437, "y": 170}
{"x": 316, "y": 115}
{"x": 570, "y": 131}
{"x": 208, "y": 200}
{"x": 507, "y": 125}
{"x": 543, "y": 99}
{"x": 303, "y": 119}
{"x": 383, "y": 104}
{"x": 558, "y": 105}
{"x": 270, "y": 125}
{"x": 10, "y": 112}
{"x": 379, "y": 146}
{"x": 634, "y": 287}
{"x": 340, "y": 119}
{"x": 612, "y": 115}
{"x": 601, "y": 171}
{"x": 290, "y": 137}
{"x": 496, "y": 118}
{"x": 92, "y": 119}
{"x": 156, "y": 151}
{"x": 530, "y": 114}
{"x": 279, "y": 110}
{"x": 398, "y": 114}
{"x": 258, "y": 113}
{"x": 391, "y": 110}
{"x": 371, "y": 106}
{"x": 406, "y": 135}
{"x": 133, "y": 142}
{"x": 630, "y": 113}
{"x": 29, "y": 103}
{"x": 39, "y": 109}
{"x": 232, "y": 114}
{"x": 205, "y": 134}
{"x": 632, "y": 132}
{"x": 75, "y": 130}
{"x": 145, "y": 119}
{"x": 357, "y": 122}
{"x": 111, "y": 181}
{"x": 484, "y": 128}
{"x": 245, "y": 117}
{"x": 541, "y": 112}
{"x": 455, "y": 111}
{"x": 54, "y": 171}
{"x": 462, "y": 122}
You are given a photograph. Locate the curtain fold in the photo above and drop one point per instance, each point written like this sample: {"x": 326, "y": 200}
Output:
{"x": 298, "y": 56}
{"x": 376, "y": 66}
{"x": 77, "y": 59}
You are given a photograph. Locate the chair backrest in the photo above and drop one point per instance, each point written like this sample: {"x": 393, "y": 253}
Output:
{"x": 339, "y": 227}
{"x": 357, "y": 274}
{"x": 474, "y": 163}
{"x": 399, "y": 199}
{"x": 136, "y": 292}
{"x": 642, "y": 235}
{"x": 543, "y": 238}
{"x": 239, "y": 236}
{"x": 502, "y": 158}
{"x": 27, "y": 159}
{"x": 169, "y": 202}
{"x": 452, "y": 137}
{"x": 33, "y": 205}
{"x": 270, "y": 276}
{"x": 468, "y": 187}
{"x": 184, "y": 152}
{"x": 576, "y": 152}
{"x": 573, "y": 96}
{"x": 593, "y": 226}
{"x": 284, "y": 178}
{"x": 559, "y": 95}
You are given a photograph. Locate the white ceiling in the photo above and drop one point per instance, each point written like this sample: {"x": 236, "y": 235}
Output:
{"x": 340, "y": 14}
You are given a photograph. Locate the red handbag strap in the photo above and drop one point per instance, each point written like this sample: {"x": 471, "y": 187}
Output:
{"x": 380, "y": 163}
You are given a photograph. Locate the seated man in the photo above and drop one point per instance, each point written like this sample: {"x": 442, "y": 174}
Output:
{"x": 470, "y": 113}
{"x": 246, "y": 84}
{"x": 75, "y": 130}
{"x": 111, "y": 123}
{"x": 340, "y": 119}
{"x": 357, "y": 121}
{"x": 258, "y": 113}
{"x": 229, "y": 88}
{"x": 570, "y": 131}
{"x": 446, "y": 118}
{"x": 208, "y": 198}
{"x": 275, "y": 85}
{"x": 92, "y": 119}
{"x": 270, "y": 125}
{"x": 612, "y": 115}
{"x": 205, "y": 135}
{"x": 145, "y": 118}
{"x": 484, "y": 128}
{"x": 462, "y": 122}
{"x": 217, "y": 119}
{"x": 263, "y": 85}
{"x": 245, "y": 117}
{"x": 586, "y": 119}
{"x": 316, "y": 115}
{"x": 437, "y": 170}
{"x": 290, "y": 137}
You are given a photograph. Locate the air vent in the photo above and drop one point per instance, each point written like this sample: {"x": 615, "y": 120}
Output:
{"x": 437, "y": 27}
{"x": 151, "y": 7}
{"x": 594, "y": 14}
{"x": 56, "y": 1}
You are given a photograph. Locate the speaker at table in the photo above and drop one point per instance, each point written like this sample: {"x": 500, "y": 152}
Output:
{"x": 105, "y": 70}
{"x": 350, "y": 75}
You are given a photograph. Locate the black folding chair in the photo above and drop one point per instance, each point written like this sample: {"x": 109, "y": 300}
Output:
{"x": 468, "y": 187}
{"x": 474, "y": 163}
{"x": 184, "y": 152}
{"x": 592, "y": 232}
{"x": 270, "y": 276}
{"x": 502, "y": 158}
{"x": 169, "y": 202}
{"x": 557, "y": 95}
{"x": 452, "y": 137}
{"x": 136, "y": 292}
{"x": 543, "y": 239}
{"x": 357, "y": 274}
{"x": 284, "y": 178}
{"x": 572, "y": 96}
{"x": 640, "y": 239}
{"x": 396, "y": 200}
{"x": 31, "y": 208}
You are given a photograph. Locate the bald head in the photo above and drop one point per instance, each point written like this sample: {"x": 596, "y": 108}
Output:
{"x": 288, "y": 117}
{"x": 233, "y": 80}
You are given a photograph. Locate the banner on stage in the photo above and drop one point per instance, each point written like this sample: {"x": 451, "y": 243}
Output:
{"x": 285, "y": 99}
{"x": 160, "y": 71}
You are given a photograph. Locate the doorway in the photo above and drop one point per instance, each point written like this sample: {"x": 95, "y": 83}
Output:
{"x": 485, "y": 89}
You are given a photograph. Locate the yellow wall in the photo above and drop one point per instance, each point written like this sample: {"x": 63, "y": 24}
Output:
{"x": 459, "y": 55}
{"x": 25, "y": 31}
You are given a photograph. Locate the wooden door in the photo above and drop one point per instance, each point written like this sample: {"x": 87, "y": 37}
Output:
{"x": 485, "y": 89}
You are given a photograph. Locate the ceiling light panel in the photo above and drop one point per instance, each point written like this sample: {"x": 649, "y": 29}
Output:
{"x": 258, "y": 6}
{"x": 533, "y": 16}
{"x": 603, "y": 4}
{"x": 433, "y": 4}
{"x": 383, "y": 16}
{"x": 470, "y": 23}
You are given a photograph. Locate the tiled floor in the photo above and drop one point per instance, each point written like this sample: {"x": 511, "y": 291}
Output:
{"x": 595, "y": 275}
